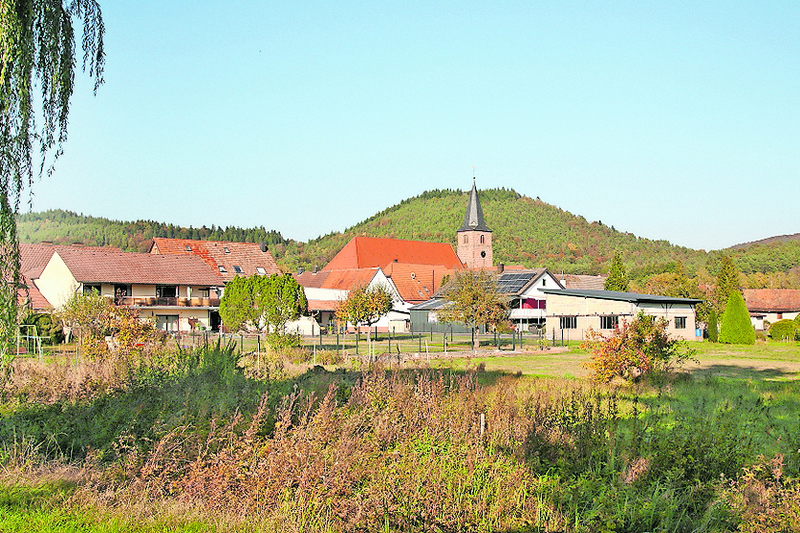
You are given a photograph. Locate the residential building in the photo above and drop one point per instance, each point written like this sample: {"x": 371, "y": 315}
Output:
{"x": 180, "y": 291}
{"x": 229, "y": 259}
{"x": 767, "y": 306}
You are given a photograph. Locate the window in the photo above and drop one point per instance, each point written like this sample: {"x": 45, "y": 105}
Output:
{"x": 167, "y": 322}
{"x": 122, "y": 290}
{"x": 261, "y": 271}
{"x": 680, "y": 322}
{"x": 465, "y": 239}
{"x": 90, "y": 288}
{"x": 609, "y": 322}
{"x": 237, "y": 269}
{"x": 544, "y": 282}
{"x": 568, "y": 322}
{"x": 482, "y": 238}
{"x": 222, "y": 269}
{"x": 166, "y": 291}
{"x": 204, "y": 292}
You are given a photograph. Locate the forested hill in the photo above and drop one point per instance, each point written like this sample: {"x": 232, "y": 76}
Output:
{"x": 525, "y": 231}
{"x": 66, "y": 227}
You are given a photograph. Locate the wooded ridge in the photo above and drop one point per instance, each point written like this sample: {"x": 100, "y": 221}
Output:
{"x": 526, "y": 231}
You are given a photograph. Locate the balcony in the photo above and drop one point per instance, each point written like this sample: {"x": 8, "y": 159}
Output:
{"x": 154, "y": 301}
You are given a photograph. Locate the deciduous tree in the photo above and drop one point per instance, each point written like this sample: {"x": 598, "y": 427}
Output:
{"x": 365, "y": 306}
{"x": 473, "y": 300}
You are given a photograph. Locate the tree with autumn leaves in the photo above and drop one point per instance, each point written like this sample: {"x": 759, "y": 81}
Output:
{"x": 364, "y": 307}
{"x": 638, "y": 347}
{"x": 473, "y": 300}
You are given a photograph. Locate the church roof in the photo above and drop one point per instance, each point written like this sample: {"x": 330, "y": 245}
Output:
{"x": 369, "y": 252}
{"x": 473, "y": 219}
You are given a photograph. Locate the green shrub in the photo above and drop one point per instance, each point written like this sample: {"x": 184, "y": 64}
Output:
{"x": 736, "y": 325}
{"x": 783, "y": 330}
{"x": 713, "y": 326}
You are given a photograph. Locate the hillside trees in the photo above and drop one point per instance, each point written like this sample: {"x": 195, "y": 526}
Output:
{"x": 37, "y": 48}
{"x": 736, "y": 327}
{"x": 474, "y": 301}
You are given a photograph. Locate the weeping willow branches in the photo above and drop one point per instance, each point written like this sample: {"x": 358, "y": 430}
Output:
{"x": 37, "y": 71}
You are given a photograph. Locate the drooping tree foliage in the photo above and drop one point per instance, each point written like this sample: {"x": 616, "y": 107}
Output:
{"x": 736, "y": 326}
{"x": 37, "y": 48}
{"x": 617, "y": 279}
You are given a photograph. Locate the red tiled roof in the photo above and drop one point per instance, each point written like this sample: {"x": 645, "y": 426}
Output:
{"x": 416, "y": 283}
{"x": 772, "y": 300}
{"x": 247, "y": 256}
{"x": 311, "y": 279}
{"x": 367, "y": 252}
{"x": 34, "y": 257}
{"x": 95, "y": 266}
{"x": 31, "y": 297}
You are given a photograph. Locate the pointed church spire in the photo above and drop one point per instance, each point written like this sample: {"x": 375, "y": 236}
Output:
{"x": 473, "y": 219}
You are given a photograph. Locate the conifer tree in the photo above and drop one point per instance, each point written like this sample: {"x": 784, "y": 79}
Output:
{"x": 736, "y": 325}
{"x": 727, "y": 282}
{"x": 617, "y": 277}
{"x": 713, "y": 326}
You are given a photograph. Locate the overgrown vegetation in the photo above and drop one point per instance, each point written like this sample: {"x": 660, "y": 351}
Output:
{"x": 200, "y": 440}
{"x": 638, "y": 348}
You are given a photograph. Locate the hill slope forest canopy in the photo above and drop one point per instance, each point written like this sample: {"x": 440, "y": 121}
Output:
{"x": 526, "y": 231}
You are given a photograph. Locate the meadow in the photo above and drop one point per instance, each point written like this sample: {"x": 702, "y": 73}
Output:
{"x": 210, "y": 439}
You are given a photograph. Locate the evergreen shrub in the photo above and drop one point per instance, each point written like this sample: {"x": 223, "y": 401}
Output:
{"x": 736, "y": 326}
{"x": 783, "y": 330}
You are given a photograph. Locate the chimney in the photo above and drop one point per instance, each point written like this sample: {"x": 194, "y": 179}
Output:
{"x": 300, "y": 270}
{"x": 316, "y": 269}
{"x": 501, "y": 268}
{"x": 263, "y": 246}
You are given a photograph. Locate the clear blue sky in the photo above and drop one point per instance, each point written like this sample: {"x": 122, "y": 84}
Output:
{"x": 670, "y": 120}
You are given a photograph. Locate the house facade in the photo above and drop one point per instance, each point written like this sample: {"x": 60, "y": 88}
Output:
{"x": 767, "y": 306}
{"x": 181, "y": 293}
{"x": 572, "y": 312}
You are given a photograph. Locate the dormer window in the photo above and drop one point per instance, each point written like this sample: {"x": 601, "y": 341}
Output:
{"x": 237, "y": 269}
{"x": 222, "y": 269}
{"x": 188, "y": 248}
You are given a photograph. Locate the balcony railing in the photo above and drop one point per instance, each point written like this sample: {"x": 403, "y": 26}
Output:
{"x": 154, "y": 301}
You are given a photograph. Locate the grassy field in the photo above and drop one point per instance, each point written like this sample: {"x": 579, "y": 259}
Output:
{"x": 497, "y": 442}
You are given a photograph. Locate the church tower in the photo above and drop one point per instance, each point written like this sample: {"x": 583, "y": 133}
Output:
{"x": 474, "y": 237}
